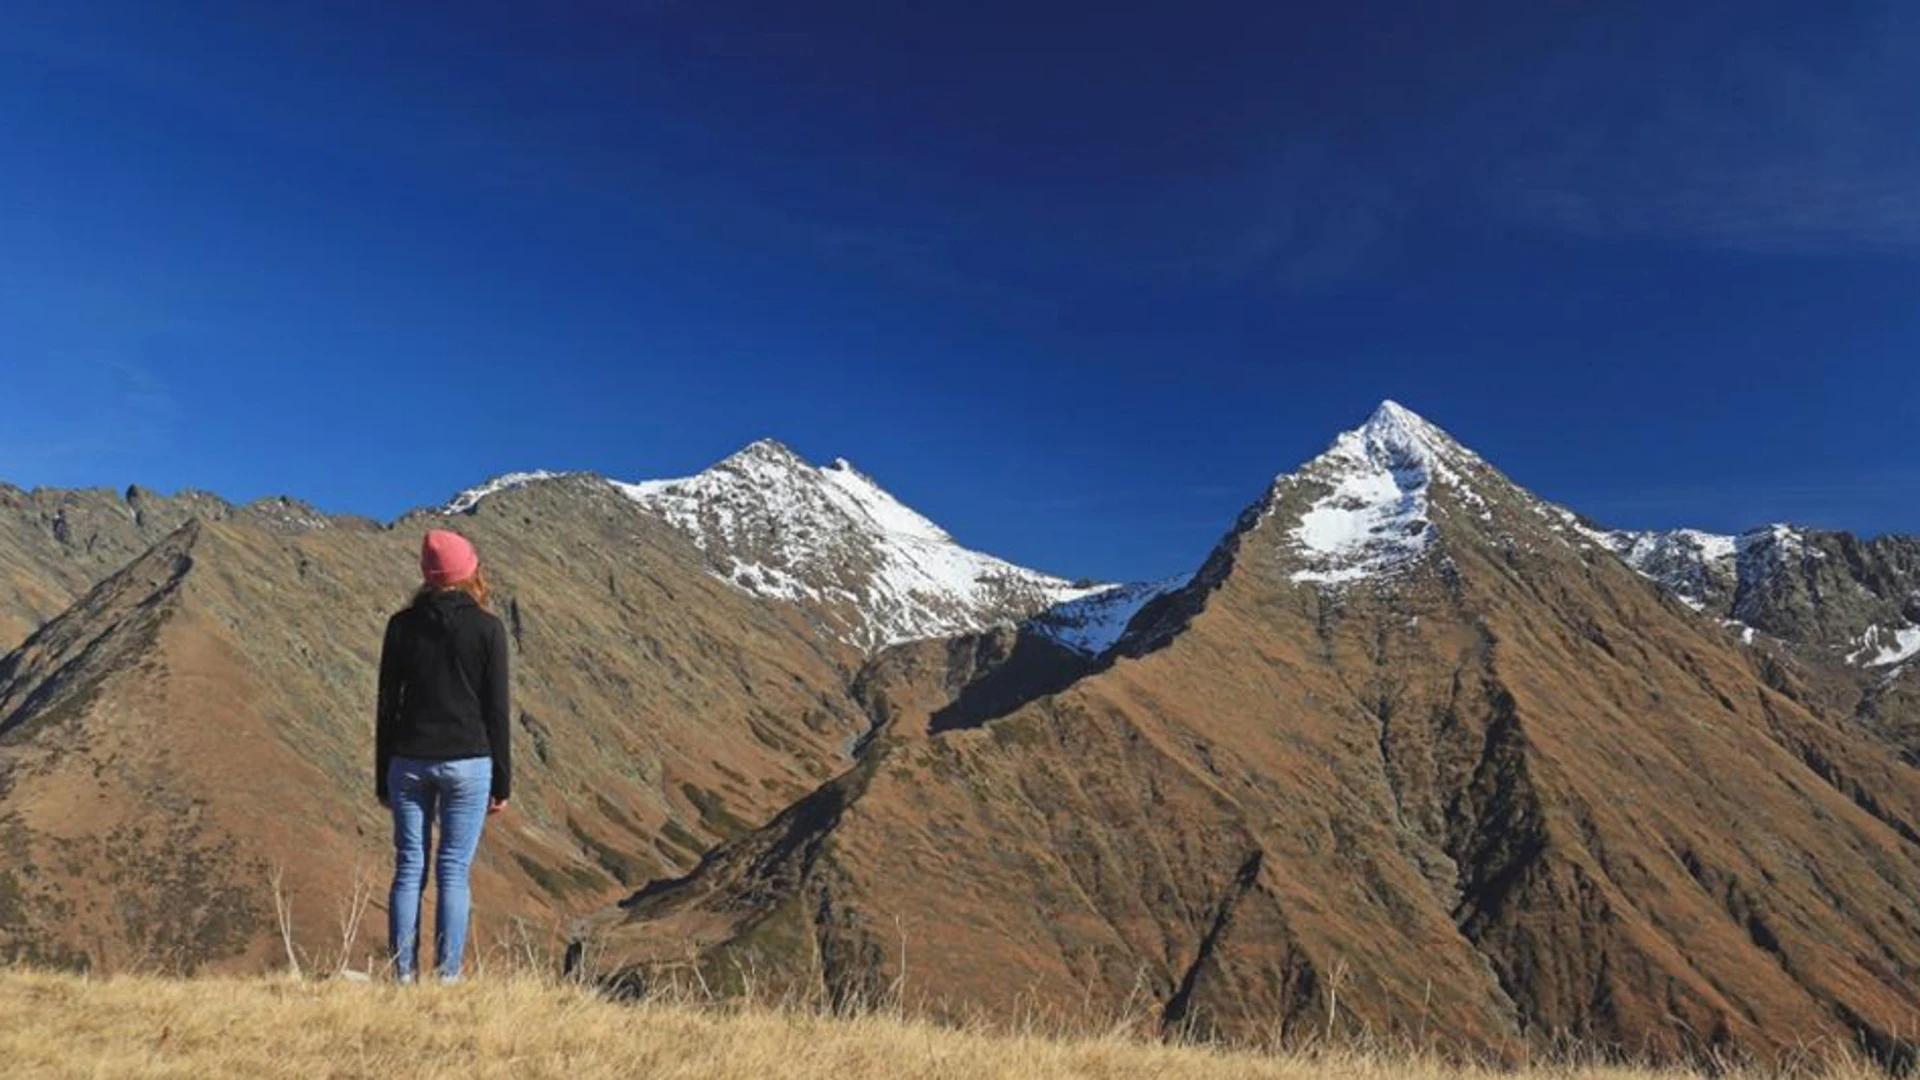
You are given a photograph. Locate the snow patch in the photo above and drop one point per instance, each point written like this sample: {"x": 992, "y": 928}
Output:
{"x": 1688, "y": 563}
{"x": 768, "y": 581}
{"x": 1093, "y": 624}
{"x": 1638, "y": 549}
{"x": 1367, "y": 526}
{"x": 1376, "y": 519}
{"x": 464, "y": 502}
{"x": 1881, "y": 646}
{"x": 860, "y": 497}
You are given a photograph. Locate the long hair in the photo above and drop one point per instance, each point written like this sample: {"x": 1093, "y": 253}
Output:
{"x": 475, "y": 586}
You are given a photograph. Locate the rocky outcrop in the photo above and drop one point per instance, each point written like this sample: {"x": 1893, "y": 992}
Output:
{"x": 1831, "y": 594}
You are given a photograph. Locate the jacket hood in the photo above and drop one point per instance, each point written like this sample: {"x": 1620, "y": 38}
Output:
{"x": 441, "y": 604}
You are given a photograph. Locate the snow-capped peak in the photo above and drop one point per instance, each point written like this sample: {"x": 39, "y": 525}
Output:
{"x": 765, "y": 453}
{"x": 1375, "y": 516}
{"x": 832, "y": 539}
{"x": 1395, "y": 433}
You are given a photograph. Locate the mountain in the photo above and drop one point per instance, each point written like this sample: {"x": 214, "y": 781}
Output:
{"x": 1414, "y": 752}
{"x": 873, "y": 572}
{"x": 1410, "y": 755}
{"x": 202, "y": 717}
{"x": 1857, "y": 599}
{"x": 1843, "y": 612}
{"x": 214, "y": 662}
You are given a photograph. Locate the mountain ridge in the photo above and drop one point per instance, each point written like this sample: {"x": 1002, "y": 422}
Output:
{"x": 1408, "y": 726}
{"x": 877, "y": 572}
{"x": 1407, "y": 739}
{"x": 1661, "y": 554}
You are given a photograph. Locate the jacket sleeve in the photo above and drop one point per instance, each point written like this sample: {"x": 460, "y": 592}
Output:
{"x": 497, "y": 711}
{"x": 387, "y": 712}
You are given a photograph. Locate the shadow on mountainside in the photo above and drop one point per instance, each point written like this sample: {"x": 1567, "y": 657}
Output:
{"x": 1032, "y": 669}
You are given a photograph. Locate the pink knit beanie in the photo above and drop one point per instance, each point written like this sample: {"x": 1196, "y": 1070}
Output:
{"x": 447, "y": 558}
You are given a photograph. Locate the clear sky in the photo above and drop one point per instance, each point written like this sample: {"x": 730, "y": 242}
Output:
{"x": 1073, "y": 279}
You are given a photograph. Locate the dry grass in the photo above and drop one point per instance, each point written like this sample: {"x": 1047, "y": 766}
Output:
{"x": 66, "y": 1026}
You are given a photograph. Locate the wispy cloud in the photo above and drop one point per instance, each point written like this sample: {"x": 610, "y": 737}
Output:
{"x": 117, "y": 409}
{"x": 1308, "y": 217}
{"x": 1766, "y": 150}
{"x": 1751, "y": 140}
{"x": 1302, "y": 242}
{"x": 144, "y": 402}
{"x": 921, "y": 261}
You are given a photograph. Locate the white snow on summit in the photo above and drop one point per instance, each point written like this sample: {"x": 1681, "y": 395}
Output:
{"x": 1375, "y": 520}
{"x": 777, "y": 526}
{"x": 470, "y": 498}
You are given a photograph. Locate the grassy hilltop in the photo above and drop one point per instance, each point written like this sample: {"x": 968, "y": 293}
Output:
{"x": 526, "y": 1027}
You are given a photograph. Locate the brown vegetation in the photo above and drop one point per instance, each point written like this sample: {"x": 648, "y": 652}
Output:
{"x": 526, "y": 1028}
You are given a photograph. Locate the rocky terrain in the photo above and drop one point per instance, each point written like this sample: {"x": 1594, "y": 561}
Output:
{"x": 1413, "y": 749}
{"x": 1843, "y": 613}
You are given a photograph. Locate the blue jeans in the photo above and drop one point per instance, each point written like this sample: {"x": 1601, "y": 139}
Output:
{"x": 456, "y": 793}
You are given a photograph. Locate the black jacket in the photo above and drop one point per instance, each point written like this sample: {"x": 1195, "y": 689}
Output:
{"x": 443, "y": 688}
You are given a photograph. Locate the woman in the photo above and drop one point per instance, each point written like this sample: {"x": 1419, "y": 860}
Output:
{"x": 440, "y": 745}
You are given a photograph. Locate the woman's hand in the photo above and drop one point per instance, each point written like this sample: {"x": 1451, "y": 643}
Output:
{"x": 494, "y": 806}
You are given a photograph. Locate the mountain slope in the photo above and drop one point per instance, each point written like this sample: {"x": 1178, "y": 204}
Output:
{"x": 55, "y": 545}
{"x": 1404, "y": 751}
{"x": 1413, "y": 745}
{"x": 659, "y": 709}
{"x": 204, "y": 715}
{"x": 1837, "y": 617}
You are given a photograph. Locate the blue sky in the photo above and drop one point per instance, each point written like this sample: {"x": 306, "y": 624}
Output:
{"x": 1075, "y": 280}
